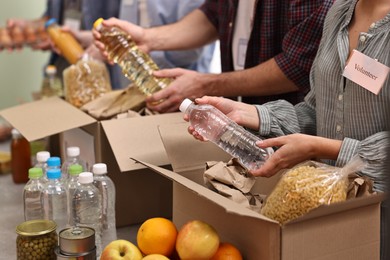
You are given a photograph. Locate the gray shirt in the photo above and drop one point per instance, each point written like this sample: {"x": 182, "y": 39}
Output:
{"x": 336, "y": 107}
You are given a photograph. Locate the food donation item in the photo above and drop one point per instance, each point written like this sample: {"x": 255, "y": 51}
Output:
{"x": 37, "y": 239}
{"x": 306, "y": 187}
{"x": 85, "y": 81}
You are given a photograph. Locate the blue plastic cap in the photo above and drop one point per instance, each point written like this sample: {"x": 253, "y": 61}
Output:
{"x": 53, "y": 173}
{"x": 53, "y": 161}
{"x": 50, "y": 22}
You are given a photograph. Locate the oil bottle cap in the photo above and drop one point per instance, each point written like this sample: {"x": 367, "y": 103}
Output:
{"x": 75, "y": 169}
{"x": 85, "y": 177}
{"x": 185, "y": 104}
{"x": 34, "y": 173}
{"x": 99, "y": 168}
{"x": 54, "y": 161}
{"x": 42, "y": 156}
{"x": 98, "y": 23}
{"x": 51, "y": 69}
{"x": 50, "y": 22}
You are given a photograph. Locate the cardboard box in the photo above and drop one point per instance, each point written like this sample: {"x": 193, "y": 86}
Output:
{"x": 141, "y": 193}
{"x": 348, "y": 230}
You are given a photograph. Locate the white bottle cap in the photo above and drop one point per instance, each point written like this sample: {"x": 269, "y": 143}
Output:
{"x": 15, "y": 133}
{"x": 85, "y": 177}
{"x": 185, "y": 104}
{"x": 99, "y": 168}
{"x": 73, "y": 151}
{"x": 42, "y": 156}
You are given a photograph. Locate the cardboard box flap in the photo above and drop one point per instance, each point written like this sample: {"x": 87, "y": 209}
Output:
{"x": 138, "y": 137}
{"x": 179, "y": 144}
{"x": 341, "y": 206}
{"x": 38, "y": 119}
{"x": 228, "y": 205}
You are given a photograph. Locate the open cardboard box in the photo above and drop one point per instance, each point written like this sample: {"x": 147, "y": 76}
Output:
{"x": 348, "y": 230}
{"x": 140, "y": 192}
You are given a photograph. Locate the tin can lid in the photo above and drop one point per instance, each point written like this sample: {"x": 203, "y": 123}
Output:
{"x": 36, "y": 227}
{"x": 77, "y": 233}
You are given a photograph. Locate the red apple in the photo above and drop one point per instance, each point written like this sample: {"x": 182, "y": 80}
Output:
{"x": 121, "y": 250}
{"x": 197, "y": 240}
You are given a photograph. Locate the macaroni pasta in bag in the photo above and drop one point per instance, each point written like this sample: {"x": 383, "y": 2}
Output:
{"x": 308, "y": 186}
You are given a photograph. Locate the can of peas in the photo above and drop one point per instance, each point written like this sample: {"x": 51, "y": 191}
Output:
{"x": 37, "y": 239}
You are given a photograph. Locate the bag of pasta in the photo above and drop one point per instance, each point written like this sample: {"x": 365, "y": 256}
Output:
{"x": 308, "y": 186}
{"x": 85, "y": 81}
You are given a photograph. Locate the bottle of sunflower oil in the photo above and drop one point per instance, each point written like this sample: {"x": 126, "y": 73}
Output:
{"x": 136, "y": 65}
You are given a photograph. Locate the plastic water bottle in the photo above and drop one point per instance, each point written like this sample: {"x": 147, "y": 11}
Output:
{"x": 136, "y": 65}
{"x": 72, "y": 157}
{"x": 53, "y": 162}
{"x": 87, "y": 210}
{"x": 54, "y": 199}
{"x": 32, "y": 195}
{"x": 106, "y": 187}
{"x": 71, "y": 185}
{"x": 215, "y": 126}
{"x": 42, "y": 158}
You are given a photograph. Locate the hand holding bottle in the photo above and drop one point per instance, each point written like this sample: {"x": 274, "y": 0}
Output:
{"x": 241, "y": 113}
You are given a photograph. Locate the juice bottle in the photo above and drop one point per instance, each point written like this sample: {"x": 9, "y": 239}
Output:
{"x": 136, "y": 65}
{"x": 69, "y": 46}
{"x": 20, "y": 157}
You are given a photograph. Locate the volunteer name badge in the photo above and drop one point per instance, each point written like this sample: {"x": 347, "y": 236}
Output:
{"x": 366, "y": 71}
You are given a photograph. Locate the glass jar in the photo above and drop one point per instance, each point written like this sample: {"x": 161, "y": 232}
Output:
{"x": 37, "y": 239}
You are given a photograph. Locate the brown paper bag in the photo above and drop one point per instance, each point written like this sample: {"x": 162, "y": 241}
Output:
{"x": 116, "y": 102}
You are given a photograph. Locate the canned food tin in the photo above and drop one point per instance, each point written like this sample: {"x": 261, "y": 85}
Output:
{"x": 37, "y": 239}
{"x": 91, "y": 255}
{"x": 76, "y": 240}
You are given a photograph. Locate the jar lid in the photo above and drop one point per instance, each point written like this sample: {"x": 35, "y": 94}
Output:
{"x": 36, "y": 227}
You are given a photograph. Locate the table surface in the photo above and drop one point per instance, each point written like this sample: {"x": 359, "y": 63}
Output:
{"x": 11, "y": 214}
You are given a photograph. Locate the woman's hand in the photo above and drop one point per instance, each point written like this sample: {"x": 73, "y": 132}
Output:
{"x": 294, "y": 149}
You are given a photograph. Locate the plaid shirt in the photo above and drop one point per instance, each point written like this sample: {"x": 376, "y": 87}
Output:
{"x": 288, "y": 31}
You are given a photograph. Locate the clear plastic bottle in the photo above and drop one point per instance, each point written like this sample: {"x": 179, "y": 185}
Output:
{"x": 20, "y": 157}
{"x": 87, "y": 209}
{"x": 106, "y": 187}
{"x": 54, "y": 199}
{"x": 41, "y": 158}
{"x": 69, "y": 46}
{"x": 136, "y": 65}
{"x": 212, "y": 124}
{"x": 71, "y": 186}
{"x": 72, "y": 157}
{"x": 32, "y": 195}
{"x": 51, "y": 85}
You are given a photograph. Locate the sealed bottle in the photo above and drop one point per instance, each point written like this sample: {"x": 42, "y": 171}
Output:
{"x": 54, "y": 199}
{"x": 41, "y": 158}
{"x": 136, "y": 65}
{"x": 20, "y": 157}
{"x": 32, "y": 195}
{"x": 215, "y": 126}
{"x": 71, "y": 185}
{"x": 106, "y": 188}
{"x": 69, "y": 46}
{"x": 87, "y": 209}
{"x": 72, "y": 157}
{"x": 51, "y": 85}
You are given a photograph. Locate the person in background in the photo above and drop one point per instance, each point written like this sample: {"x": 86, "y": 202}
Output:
{"x": 270, "y": 46}
{"x": 341, "y": 117}
{"x": 78, "y": 16}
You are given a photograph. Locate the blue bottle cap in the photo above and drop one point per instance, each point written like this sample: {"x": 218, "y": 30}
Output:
{"x": 53, "y": 173}
{"x": 53, "y": 161}
{"x": 50, "y": 22}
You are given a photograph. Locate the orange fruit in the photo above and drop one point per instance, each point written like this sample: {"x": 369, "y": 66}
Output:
{"x": 227, "y": 251}
{"x": 157, "y": 236}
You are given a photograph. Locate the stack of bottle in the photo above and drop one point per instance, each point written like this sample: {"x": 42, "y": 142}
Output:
{"x": 71, "y": 196}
